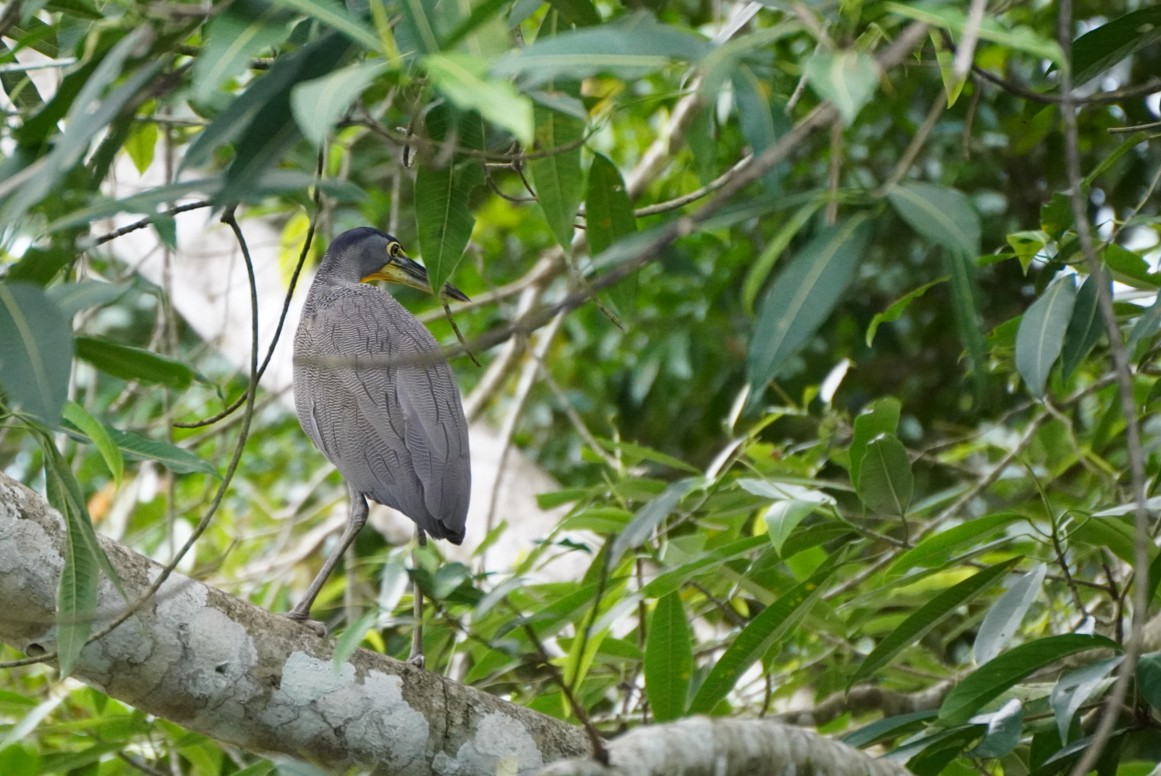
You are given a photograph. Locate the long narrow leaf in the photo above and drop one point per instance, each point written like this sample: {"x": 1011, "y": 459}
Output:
{"x": 628, "y": 48}
{"x": 936, "y": 550}
{"x": 98, "y": 435}
{"x": 649, "y": 517}
{"x": 608, "y": 218}
{"x": 557, "y": 176}
{"x": 803, "y": 297}
{"x": 1041, "y": 333}
{"x": 759, "y": 637}
{"x": 940, "y": 214}
{"x": 1003, "y": 619}
{"x": 36, "y": 346}
{"x": 443, "y": 216}
{"x": 965, "y": 302}
{"x": 995, "y": 677}
{"x": 923, "y": 620}
{"x": 668, "y": 659}
{"x": 130, "y": 363}
{"x": 77, "y": 589}
{"x": 170, "y": 456}
{"x": 1085, "y": 327}
{"x": 885, "y": 481}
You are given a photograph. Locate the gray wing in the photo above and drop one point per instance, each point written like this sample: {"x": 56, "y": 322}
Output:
{"x": 396, "y": 433}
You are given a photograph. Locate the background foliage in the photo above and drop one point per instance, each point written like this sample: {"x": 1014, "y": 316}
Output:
{"x": 858, "y": 451}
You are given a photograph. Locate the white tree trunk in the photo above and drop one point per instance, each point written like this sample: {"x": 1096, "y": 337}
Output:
{"x": 237, "y": 673}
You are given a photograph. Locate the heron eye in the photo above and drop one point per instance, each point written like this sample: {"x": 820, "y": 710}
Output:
{"x": 394, "y": 250}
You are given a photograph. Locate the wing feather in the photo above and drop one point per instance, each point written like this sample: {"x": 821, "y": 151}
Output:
{"x": 396, "y": 433}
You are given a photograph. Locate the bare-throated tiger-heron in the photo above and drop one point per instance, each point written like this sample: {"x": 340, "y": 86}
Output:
{"x": 376, "y": 395}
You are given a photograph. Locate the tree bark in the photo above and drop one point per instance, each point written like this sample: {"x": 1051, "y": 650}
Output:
{"x": 239, "y": 674}
{"x": 259, "y": 681}
{"x": 701, "y": 746}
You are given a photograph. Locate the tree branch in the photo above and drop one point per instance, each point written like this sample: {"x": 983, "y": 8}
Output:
{"x": 235, "y": 672}
{"x": 701, "y": 746}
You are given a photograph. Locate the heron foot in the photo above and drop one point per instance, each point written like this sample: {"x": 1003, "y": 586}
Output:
{"x": 318, "y": 627}
{"x": 417, "y": 660}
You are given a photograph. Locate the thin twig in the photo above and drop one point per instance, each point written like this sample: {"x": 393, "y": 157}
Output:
{"x": 144, "y": 222}
{"x": 600, "y": 753}
{"x": 310, "y": 232}
{"x": 1103, "y": 98}
{"x": 1128, "y": 668}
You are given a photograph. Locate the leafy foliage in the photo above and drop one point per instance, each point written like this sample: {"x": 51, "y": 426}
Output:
{"x": 856, "y": 423}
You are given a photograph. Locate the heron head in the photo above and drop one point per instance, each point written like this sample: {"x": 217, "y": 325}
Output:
{"x": 380, "y": 256}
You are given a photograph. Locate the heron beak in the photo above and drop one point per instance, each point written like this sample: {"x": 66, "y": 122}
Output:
{"x": 406, "y": 272}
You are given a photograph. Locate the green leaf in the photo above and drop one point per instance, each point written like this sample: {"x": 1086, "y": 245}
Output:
{"x": 141, "y": 144}
{"x": 782, "y": 517}
{"x": 443, "y": 215}
{"x": 1115, "y": 535}
{"x": 1076, "y": 687}
{"x": 235, "y": 36}
{"x": 887, "y": 728}
{"x": 267, "y": 128}
{"x": 318, "y": 104}
{"x": 98, "y": 104}
{"x": 848, "y": 79}
{"x": 174, "y": 458}
{"x": 1041, "y": 334}
{"x": 803, "y": 296}
{"x": 76, "y": 598}
{"x": 885, "y": 480}
{"x": 668, "y": 659}
{"x": 608, "y": 211}
{"x": 130, "y": 363}
{"x": 761, "y": 267}
{"x": 635, "y": 454}
{"x": 995, "y": 677}
{"x": 1101, "y": 48}
{"x": 650, "y": 516}
{"x": 582, "y": 13}
{"x": 1130, "y": 268}
{"x": 420, "y": 25}
{"x": 72, "y": 298}
{"x": 608, "y": 218}
{"x": 336, "y": 16}
{"x": 927, "y": 617}
{"x": 953, "y": 16}
{"x": 675, "y": 578}
{"x": 897, "y": 308}
{"x": 759, "y": 120}
{"x": 462, "y": 78}
{"x": 1149, "y": 678}
{"x": 758, "y": 638}
{"x": 36, "y": 346}
{"x": 945, "y": 57}
{"x": 940, "y": 214}
{"x": 557, "y": 175}
{"x": 877, "y": 418}
{"x": 98, "y": 435}
{"x": 353, "y": 635}
{"x": 1085, "y": 327}
{"x": 965, "y": 301}
{"x": 1003, "y": 619}
{"x": 937, "y": 550}
{"x": 628, "y": 48}
{"x": 1005, "y": 728}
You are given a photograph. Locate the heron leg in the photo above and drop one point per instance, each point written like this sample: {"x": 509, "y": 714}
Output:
{"x": 355, "y": 522}
{"x": 416, "y": 657}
